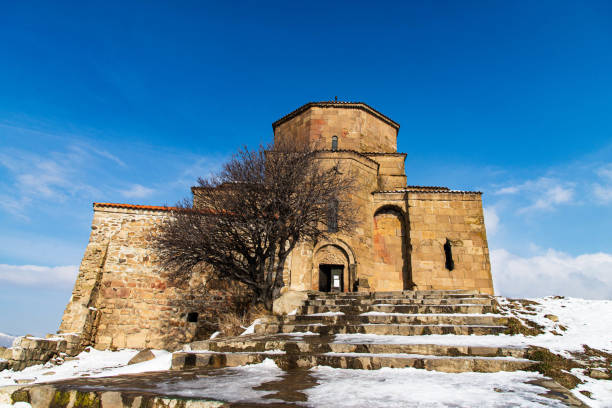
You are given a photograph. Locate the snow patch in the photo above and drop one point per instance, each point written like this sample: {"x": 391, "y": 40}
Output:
{"x": 410, "y": 387}
{"x": 94, "y": 363}
{"x": 251, "y": 328}
{"x": 327, "y": 314}
{"x": 236, "y": 384}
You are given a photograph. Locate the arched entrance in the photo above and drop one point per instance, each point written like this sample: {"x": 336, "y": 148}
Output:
{"x": 391, "y": 261}
{"x": 331, "y": 266}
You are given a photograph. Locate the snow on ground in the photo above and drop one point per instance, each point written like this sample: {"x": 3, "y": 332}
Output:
{"x": 327, "y": 314}
{"x": 601, "y": 390}
{"x": 235, "y": 384}
{"x": 251, "y": 328}
{"x": 94, "y": 363}
{"x": 6, "y": 340}
{"x": 586, "y": 322}
{"x": 411, "y": 387}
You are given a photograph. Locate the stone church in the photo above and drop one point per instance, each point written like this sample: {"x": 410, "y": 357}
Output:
{"x": 408, "y": 238}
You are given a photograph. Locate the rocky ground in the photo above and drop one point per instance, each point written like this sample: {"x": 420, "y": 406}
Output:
{"x": 568, "y": 340}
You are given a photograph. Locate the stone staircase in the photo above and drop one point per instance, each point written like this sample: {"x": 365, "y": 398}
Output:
{"x": 335, "y": 329}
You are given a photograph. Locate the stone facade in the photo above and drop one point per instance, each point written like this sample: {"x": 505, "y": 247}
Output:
{"x": 400, "y": 241}
{"x": 121, "y": 297}
{"x": 408, "y": 237}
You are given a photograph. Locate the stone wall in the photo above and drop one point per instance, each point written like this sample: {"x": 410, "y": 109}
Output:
{"x": 27, "y": 351}
{"x": 357, "y": 126}
{"x": 122, "y": 298}
{"x": 435, "y": 217}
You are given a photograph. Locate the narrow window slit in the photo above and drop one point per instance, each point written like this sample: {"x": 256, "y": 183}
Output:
{"x": 448, "y": 253}
{"x": 334, "y": 143}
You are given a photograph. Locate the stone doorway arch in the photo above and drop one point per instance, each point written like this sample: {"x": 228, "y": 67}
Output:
{"x": 331, "y": 256}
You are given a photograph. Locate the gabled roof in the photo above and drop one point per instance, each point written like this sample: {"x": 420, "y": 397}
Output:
{"x": 337, "y": 104}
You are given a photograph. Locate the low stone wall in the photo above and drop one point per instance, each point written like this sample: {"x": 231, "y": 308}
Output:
{"x": 28, "y": 351}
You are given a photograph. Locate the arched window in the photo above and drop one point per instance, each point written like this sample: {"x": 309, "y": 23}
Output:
{"x": 332, "y": 216}
{"x": 448, "y": 253}
{"x": 334, "y": 143}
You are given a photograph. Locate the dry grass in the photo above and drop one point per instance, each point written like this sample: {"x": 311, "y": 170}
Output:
{"x": 554, "y": 366}
{"x": 233, "y": 323}
{"x": 527, "y": 327}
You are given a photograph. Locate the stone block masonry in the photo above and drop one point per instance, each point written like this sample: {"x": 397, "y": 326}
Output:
{"x": 457, "y": 217}
{"x": 122, "y": 298}
{"x": 28, "y": 351}
{"x": 407, "y": 238}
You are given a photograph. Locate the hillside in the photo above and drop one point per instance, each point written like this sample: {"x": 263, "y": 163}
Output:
{"x": 578, "y": 331}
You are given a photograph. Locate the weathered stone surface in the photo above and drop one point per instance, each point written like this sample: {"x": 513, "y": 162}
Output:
{"x": 552, "y": 317}
{"x": 57, "y": 396}
{"x": 28, "y": 351}
{"x": 142, "y": 356}
{"x": 273, "y": 338}
{"x": 122, "y": 299}
{"x": 288, "y": 302}
{"x": 599, "y": 374}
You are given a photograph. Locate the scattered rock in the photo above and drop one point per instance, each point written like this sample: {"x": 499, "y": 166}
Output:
{"x": 142, "y": 356}
{"x": 552, "y": 317}
{"x": 598, "y": 374}
{"x": 49, "y": 373}
{"x": 25, "y": 380}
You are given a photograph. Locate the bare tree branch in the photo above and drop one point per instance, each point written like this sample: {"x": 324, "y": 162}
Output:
{"x": 247, "y": 219}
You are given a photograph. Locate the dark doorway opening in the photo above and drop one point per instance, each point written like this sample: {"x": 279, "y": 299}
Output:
{"x": 331, "y": 278}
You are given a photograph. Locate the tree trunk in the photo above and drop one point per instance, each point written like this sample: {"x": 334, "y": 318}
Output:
{"x": 268, "y": 298}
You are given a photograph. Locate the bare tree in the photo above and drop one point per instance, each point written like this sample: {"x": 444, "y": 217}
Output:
{"x": 248, "y": 218}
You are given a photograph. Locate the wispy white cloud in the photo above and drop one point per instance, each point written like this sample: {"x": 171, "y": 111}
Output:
{"x": 109, "y": 156}
{"x": 552, "y": 273}
{"x": 33, "y": 275}
{"x": 602, "y": 191}
{"x": 603, "y": 194}
{"x": 605, "y": 172}
{"x": 551, "y": 197}
{"x": 55, "y": 176}
{"x": 491, "y": 220}
{"x": 137, "y": 191}
{"x": 544, "y": 193}
{"x": 508, "y": 190}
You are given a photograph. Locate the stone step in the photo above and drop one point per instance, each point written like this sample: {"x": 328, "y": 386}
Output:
{"x": 314, "y": 345}
{"x": 387, "y": 329}
{"x": 397, "y": 295}
{"x": 422, "y": 309}
{"x": 368, "y": 361}
{"x": 396, "y": 301}
{"x": 398, "y": 318}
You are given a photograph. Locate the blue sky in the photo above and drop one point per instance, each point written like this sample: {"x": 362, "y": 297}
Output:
{"x": 132, "y": 102}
